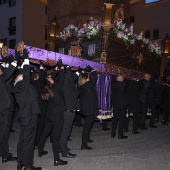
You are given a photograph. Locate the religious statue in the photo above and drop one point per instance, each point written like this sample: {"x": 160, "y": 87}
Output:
{"x": 119, "y": 13}
{"x": 103, "y": 57}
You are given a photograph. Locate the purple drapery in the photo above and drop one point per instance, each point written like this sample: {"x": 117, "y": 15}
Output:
{"x": 103, "y": 88}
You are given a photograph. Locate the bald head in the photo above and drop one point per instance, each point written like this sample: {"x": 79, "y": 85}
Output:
{"x": 147, "y": 77}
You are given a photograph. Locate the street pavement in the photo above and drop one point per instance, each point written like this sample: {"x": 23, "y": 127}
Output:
{"x": 149, "y": 150}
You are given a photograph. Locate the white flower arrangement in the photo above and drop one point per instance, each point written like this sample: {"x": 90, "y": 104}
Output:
{"x": 126, "y": 34}
{"x": 89, "y": 30}
{"x": 93, "y": 29}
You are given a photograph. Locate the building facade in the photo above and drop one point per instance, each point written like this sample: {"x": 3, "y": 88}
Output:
{"x": 24, "y": 20}
{"x": 79, "y": 11}
{"x": 152, "y": 17}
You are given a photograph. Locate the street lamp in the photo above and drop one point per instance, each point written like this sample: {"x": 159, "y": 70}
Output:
{"x": 165, "y": 46}
{"x": 106, "y": 26}
{"x": 54, "y": 28}
{"x": 165, "y": 50}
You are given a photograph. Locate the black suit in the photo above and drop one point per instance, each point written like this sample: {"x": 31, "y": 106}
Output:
{"x": 55, "y": 115}
{"x": 145, "y": 87}
{"x": 71, "y": 94}
{"x": 164, "y": 100}
{"x": 26, "y": 98}
{"x": 88, "y": 106}
{"x": 152, "y": 96}
{"x": 42, "y": 104}
{"x": 119, "y": 101}
{"x": 6, "y": 110}
{"x": 133, "y": 92}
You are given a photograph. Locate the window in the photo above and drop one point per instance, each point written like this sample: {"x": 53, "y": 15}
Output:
{"x": 12, "y": 26}
{"x": 2, "y": 2}
{"x": 12, "y": 43}
{"x": 12, "y": 3}
{"x": 45, "y": 32}
{"x": 156, "y": 34}
{"x": 147, "y": 34}
{"x": 150, "y": 1}
{"x": 132, "y": 19}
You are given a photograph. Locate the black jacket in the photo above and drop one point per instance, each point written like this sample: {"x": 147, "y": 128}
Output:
{"x": 38, "y": 86}
{"x": 119, "y": 94}
{"x": 26, "y": 95}
{"x": 70, "y": 91}
{"x": 5, "y": 98}
{"x": 88, "y": 97}
{"x": 133, "y": 92}
{"x": 38, "y": 83}
{"x": 145, "y": 87}
{"x": 56, "y": 104}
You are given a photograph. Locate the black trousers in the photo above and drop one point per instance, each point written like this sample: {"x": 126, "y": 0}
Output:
{"x": 152, "y": 106}
{"x": 89, "y": 120}
{"x": 25, "y": 149}
{"x": 136, "y": 119}
{"x": 105, "y": 123}
{"x": 41, "y": 120}
{"x": 143, "y": 112}
{"x": 55, "y": 124}
{"x": 166, "y": 113}
{"x": 78, "y": 118}
{"x": 119, "y": 116}
{"x": 5, "y": 126}
{"x": 67, "y": 127}
{"x": 126, "y": 124}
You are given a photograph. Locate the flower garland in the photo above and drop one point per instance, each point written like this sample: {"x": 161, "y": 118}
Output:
{"x": 89, "y": 30}
{"x": 93, "y": 30}
{"x": 120, "y": 31}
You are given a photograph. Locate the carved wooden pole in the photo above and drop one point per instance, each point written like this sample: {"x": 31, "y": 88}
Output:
{"x": 106, "y": 26}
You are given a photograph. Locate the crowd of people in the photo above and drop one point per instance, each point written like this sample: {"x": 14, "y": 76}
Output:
{"x": 47, "y": 102}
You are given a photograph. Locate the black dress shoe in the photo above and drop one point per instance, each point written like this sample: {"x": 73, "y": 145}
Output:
{"x": 122, "y": 137}
{"x": 33, "y": 168}
{"x": 156, "y": 120}
{"x": 75, "y": 124}
{"x": 163, "y": 122}
{"x": 80, "y": 125}
{"x": 60, "y": 162}
{"x": 105, "y": 129}
{"x": 113, "y": 135}
{"x": 135, "y": 132}
{"x": 69, "y": 155}
{"x": 86, "y": 147}
{"x": 153, "y": 126}
{"x": 42, "y": 153}
{"x": 12, "y": 130}
{"x": 19, "y": 166}
{"x": 143, "y": 128}
{"x": 68, "y": 139}
{"x": 9, "y": 158}
{"x": 90, "y": 141}
{"x": 126, "y": 130}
